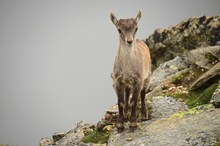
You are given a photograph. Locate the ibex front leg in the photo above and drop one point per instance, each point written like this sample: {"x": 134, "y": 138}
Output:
{"x": 126, "y": 108}
{"x": 133, "y": 118}
{"x": 120, "y": 90}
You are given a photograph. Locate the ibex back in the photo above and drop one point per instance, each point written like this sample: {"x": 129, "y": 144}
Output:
{"x": 131, "y": 71}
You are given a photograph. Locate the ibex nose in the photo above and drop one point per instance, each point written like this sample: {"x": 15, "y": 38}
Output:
{"x": 129, "y": 42}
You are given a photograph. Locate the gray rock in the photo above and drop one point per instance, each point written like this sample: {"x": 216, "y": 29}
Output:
{"x": 204, "y": 57}
{"x": 215, "y": 100}
{"x": 168, "y": 70}
{"x": 166, "y": 106}
{"x": 213, "y": 72}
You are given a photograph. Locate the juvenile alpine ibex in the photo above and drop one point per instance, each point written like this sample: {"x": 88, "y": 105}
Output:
{"x": 131, "y": 71}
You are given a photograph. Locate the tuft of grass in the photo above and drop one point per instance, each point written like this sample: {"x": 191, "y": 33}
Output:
{"x": 97, "y": 136}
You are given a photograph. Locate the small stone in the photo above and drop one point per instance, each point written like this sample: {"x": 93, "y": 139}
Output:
{"x": 129, "y": 139}
{"x": 45, "y": 141}
{"x": 108, "y": 127}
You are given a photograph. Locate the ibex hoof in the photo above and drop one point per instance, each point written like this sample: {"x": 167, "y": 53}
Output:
{"x": 120, "y": 129}
{"x": 145, "y": 117}
{"x": 133, "y": 128}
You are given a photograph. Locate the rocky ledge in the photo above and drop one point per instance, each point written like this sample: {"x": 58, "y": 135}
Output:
{"x": 184, "y": 96}
{"x": 196, "y": 127}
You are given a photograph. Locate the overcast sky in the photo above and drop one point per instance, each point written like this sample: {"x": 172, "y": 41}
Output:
{"x": 56, "y": 58}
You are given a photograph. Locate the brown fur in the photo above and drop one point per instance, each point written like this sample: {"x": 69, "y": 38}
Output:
{"x": 131, "y": 71}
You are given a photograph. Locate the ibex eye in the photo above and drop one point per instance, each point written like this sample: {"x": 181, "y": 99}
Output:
{"x": 136, "y": 29}
{"x": 119, "y": 30}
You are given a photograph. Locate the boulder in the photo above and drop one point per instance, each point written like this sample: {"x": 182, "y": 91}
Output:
{"x": 164, "y": 106}
{"x": 205, "y": 57}
{"x": 212, "y": 73}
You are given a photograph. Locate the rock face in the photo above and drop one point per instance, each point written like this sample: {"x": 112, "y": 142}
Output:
{"x": 187, "y": 35}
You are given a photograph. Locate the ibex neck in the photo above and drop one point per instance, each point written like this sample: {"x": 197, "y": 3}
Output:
{"x": 125, "y": 49}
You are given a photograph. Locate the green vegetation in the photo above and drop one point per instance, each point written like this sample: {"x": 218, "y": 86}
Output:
{"x": 187, "y": 76}
{"x": 211, "y": 58}
{"x": 98, "y": 136}
{"x": 195, "y": 98}
{"x": 178, "y": 78}
{"x": 217, "y": 144}
{"x": 191, "y": 111}
{"x": 205, "y": 97}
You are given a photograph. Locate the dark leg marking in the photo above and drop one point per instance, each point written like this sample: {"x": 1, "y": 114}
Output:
{"x": 133, "y": 118}
{"x": 126, "y": 108}
{"x": 144, "y": 111}
{"x": 120, "y": 94}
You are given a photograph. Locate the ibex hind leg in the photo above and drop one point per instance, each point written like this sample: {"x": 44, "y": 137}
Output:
{"x": 144, "y": 111}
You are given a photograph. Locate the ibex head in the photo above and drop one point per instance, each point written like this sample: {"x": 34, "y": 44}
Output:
{"x": 127, "y": 28}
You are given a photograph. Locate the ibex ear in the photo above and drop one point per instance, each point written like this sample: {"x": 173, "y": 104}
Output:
{"x": 114, "y": 19}
{"x": 138, "y": 17}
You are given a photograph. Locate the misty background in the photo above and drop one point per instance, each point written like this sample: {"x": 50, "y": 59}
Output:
{"x": 56, "y": 58}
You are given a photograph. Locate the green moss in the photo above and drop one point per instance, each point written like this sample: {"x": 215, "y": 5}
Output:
{"x": 97, "y": 136}
{"x": 205, "y": 97}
